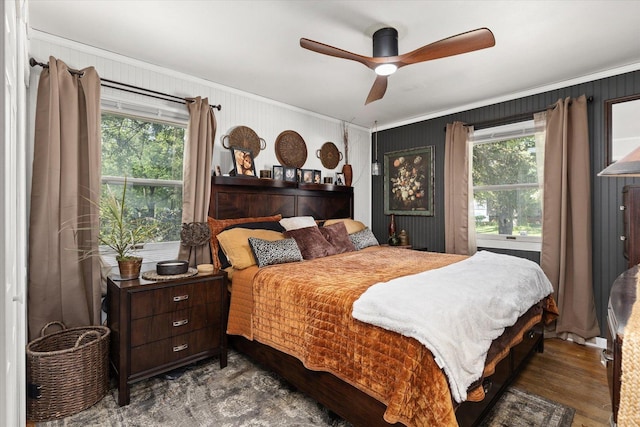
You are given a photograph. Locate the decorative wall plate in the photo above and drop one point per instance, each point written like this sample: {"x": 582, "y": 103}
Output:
{"x": 244, "y": 137}
{"x": 291, "y": 149}
{"x": 329, "y": 155}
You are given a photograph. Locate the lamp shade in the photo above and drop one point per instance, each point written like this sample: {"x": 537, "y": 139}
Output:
{"x": 629, "y": 165}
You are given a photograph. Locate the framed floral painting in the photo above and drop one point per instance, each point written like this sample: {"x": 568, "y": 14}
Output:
{"x": 408, "y": 181}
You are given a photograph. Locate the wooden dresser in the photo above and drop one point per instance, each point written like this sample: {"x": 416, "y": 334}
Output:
{"x": 163, "y": 325}
{"x": 631, "y": 219}
{"x": 621, "y": 300}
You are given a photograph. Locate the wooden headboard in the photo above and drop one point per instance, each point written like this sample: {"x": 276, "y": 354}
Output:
{"x": 240, "y": 197}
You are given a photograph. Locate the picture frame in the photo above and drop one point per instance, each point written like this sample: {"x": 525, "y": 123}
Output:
{"x": 243, "y": 164}
{"x": 622, "y": 126}
{"x": 278, "y": 172}
{"x": 307, "y": 176}
{"x": 409, "y": 181}
{"x": 339, "y": 178}
{"x": 290, "y": 174}
{"x": 317, "y": 177}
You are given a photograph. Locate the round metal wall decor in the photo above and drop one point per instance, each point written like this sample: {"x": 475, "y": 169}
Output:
{"x": 329, "y": 155}
{"x": 244, "y": 137}
{"x": 291, "y": 149}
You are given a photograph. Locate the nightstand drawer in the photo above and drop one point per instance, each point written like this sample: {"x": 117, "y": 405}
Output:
{"x": 172, "y": 349}
{"x": 154, "y": 328}
{"x": 152, "y": 302}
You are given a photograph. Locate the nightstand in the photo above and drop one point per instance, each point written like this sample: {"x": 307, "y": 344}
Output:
{"x": 397, "y": 246}
{"x": 157, "y": 326}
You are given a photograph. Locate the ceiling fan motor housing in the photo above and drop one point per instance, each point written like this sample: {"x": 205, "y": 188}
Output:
{"x": 385, "y": 42}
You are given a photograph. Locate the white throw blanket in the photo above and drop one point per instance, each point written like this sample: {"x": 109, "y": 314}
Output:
{"x": 458, "y": 310}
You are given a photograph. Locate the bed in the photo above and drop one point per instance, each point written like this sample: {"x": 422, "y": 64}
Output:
{"x": 366, "y": 374}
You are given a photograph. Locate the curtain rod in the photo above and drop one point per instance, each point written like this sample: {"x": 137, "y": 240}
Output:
{"x": 129, "y": 88}
{"x": 511, "y": 119}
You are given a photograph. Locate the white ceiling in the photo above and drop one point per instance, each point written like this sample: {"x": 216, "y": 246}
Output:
{"x": 254, "y": 46}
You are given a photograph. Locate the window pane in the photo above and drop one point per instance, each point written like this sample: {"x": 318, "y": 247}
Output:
{"x": 508, "y": 212}
{"x": 505, "y": 162}
{"x": 140, "y": 149}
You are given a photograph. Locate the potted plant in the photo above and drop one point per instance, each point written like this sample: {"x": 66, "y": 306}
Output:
{"x": 123, "y": 234}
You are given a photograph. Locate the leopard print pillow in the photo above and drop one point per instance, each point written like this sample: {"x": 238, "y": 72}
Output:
{"x": 269, "y": 252}
{"x": 363, "y": 239}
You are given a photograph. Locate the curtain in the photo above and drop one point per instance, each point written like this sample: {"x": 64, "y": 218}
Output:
{"x": 198, "y": 155}
{"x": 566, "y": 228}
{"x": 459, "y": 227}
{"x": 64, "y": 284}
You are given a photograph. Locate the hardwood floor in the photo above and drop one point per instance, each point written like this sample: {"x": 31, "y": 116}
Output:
{"x": 570, "y": 374}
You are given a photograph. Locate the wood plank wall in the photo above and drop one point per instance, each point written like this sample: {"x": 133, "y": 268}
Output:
{"x": 428, "y": 232}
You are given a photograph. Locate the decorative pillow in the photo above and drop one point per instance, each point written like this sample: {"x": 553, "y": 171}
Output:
{"x": 274, "y": 252}
{"x": 235, "y": 244}
{"x": 263, "y": 225}
{"x": 217, "y": 225}
{"x": 363, "y": 239}
{"x": 311, "y": 242}
{"x": 295, "y": 222}
{"x": 337, "y": 235}
{"x": 353, "y": 226}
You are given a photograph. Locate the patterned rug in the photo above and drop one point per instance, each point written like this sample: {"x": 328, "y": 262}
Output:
{"x": 244, "y": 395}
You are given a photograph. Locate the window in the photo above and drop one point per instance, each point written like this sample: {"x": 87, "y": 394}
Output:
{"x": 507, "y": 192}
{"x": 149, "y": 154}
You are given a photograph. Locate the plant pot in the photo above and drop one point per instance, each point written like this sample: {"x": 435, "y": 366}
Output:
{"x": 347, "y": 170}
{"x": 130, "y": 268}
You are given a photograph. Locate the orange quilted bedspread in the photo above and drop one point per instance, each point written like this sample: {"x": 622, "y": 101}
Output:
{"x": 304, "y": 309}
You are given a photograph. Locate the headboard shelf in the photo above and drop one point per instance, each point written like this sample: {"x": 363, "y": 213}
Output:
{"x": 237, "y": 197}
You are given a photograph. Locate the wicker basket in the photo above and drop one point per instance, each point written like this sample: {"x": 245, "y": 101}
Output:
{"x": 67, "y": 371}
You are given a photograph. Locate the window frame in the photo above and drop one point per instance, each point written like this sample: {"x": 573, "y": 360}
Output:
{"x": 498, "y": 134}
{"x": 156, "y": 251}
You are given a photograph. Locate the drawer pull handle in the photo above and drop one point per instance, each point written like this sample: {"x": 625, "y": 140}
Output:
{"x": 181, "y": 298}
{"x": 180, "y": 322}
{"x": 487, "y": 384}
{"x": 180, "y": 347}
{"x": 531, "y": 334}
{"x": 623, "y": 238}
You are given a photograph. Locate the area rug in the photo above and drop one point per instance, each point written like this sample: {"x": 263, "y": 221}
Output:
{"x": 242, "y": 394}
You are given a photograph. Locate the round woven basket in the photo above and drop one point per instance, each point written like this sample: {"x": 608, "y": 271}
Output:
{"x": 291, "y": 149}
{"x": 244, "y": 137}
{"x": 67, "y": 371}
{"x": 329, "y": 155}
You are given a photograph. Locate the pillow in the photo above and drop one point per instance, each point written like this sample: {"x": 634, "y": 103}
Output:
{"x": 363, "y": 239}
{"x": 337, "y": 235}
{"x": 235, "y": 244}
{"x": 274, "y": 252}
{"x": 264, "y": 225}
{"x": 217, "y": 225}
{"x": 353, "y": 226}
{"x": 311, "y": 242}
{"x": 295, "y": 222}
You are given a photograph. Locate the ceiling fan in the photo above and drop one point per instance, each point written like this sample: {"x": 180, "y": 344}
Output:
{"x": 386, "y": 61}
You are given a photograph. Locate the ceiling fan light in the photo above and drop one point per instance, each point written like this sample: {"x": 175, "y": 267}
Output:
{"x": 386, "y": 69}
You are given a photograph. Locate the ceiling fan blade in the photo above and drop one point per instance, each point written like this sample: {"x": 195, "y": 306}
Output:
{"x": 325, "y": 49}
{"x": 462, "y": 43}
{"x": 377, "y": 90}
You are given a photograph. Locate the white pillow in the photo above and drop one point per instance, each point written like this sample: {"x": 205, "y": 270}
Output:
{"x": 296, "y": 222}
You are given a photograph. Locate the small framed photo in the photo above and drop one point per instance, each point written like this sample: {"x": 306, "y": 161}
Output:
{"x": 307, "y": 176}
{"x": 243, "y": 162}
{"x": 299, "y": 174}
{"x": 317, "y": 177}
{"x": 339, "y": 178}
{"x": 290, "y": 174}
{"x": 278, "y": 172}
